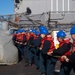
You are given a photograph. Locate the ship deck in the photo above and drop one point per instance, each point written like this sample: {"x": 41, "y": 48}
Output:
{"x": 20, "y": 69}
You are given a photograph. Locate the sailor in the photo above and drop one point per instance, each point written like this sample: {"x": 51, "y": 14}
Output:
{"x": 43, "y": 48}
{"x": 36, "y": 45}
{"x": 20, "y": 40}
{"x": 64, "y": 49}
{"x": 26, "y": 49}
{"x": 51, "y": 61}
{"x": 71, "y": 58}
{"x": 30, "y": 52}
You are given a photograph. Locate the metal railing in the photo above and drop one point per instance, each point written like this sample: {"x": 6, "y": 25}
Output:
{"x": 11, "y": 19}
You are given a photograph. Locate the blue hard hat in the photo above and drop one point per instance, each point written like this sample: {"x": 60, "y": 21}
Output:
{"x": 72, "y": 31}
{"x": 17, "y": 32}
{"x": 37, "y": 33}
{"x": 44, "y": 31}
{"x": 42, "y": 27}
{"x": 34, "y": 31}
{"x": 20, "y": 30}
{"x": 61, "y": 34}
{"x": 30, "y": 30}
{"x": 23, "y": 30}
{"x": 12, "y": 32}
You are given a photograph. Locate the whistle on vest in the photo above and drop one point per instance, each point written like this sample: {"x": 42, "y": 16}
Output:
{"x": 57, "y": 46}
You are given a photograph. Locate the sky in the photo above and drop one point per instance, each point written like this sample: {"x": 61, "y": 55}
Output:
{"x": 6, "y": 7}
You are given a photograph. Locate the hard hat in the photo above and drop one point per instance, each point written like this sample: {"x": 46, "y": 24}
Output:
{"x": 61, "y": 34}
{"x": 20, "y": 30}
{"x": 34, "y": 31}
{"x": 42, "y": 27}
{"x": 23, "y": 30}
{"x": 44, "y": 31}
{"x": 37, "y": 33}
{"x": 17, "y": 32}
{"x": 30, "y": 30}
{"x": 72, "y": 31}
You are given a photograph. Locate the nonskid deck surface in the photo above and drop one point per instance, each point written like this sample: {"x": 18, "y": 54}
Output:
{"x": 20, "y": 69}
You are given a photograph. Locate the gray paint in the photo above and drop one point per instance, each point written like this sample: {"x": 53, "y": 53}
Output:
{"x": 68, "y": 17}
{"x": 59, "y": 5}
{"x": 66, "y": 5}
{"x": 72, "y": 5}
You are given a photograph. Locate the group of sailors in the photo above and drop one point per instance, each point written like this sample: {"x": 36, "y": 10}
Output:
{"x": 38, "y": 48}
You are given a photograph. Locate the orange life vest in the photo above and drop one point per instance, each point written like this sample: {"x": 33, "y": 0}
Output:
{"x": 52, "y": 47}
{"x": 33, "y": 35}
{"x": 27, "y": 37}
{"x": 68, "y": 52}
{"x": 20, "y": 37}
{"x": 42, "y": 42}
